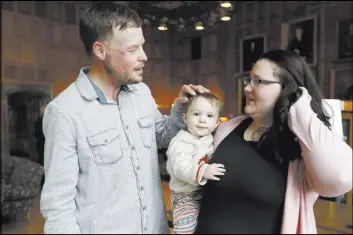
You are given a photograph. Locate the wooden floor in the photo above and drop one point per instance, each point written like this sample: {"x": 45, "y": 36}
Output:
{"x": 331, "y": 218}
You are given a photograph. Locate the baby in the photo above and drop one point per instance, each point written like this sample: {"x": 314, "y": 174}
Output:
{"x": 188, "y": 154}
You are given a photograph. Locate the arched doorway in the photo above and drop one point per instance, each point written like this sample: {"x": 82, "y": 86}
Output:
{"x": 22, "y": 111}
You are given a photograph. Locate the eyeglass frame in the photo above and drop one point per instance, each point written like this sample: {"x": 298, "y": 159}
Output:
{"x": 249, "y": 80}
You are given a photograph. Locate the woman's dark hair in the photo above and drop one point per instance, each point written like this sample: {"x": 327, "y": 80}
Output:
{"x": 292, "y": 71}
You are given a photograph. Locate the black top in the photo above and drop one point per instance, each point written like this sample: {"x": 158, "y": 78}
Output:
{"x": 40, "y": 139}
{"x": 249, "y": 198}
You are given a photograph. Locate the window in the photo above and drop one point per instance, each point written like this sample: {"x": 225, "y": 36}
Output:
{"x": 7, "y": 5}
{"x": 82, "y": 10}
{"x": 10, "y": 72}
{"x": 70, "y": 16}
{"x": 239, "y": 15}
{"x": 196, "y": 48}
{"x": 25, "y": 7}
{"x": 41, "y": 9}
{"x": 42, "y": 75}
{"x": 56, "y": 11}
{"x": 213, "y": 43}
{"x": 250, "y": 12}
{"x": 261, "y": 10}
{"x": 27, "y": 73}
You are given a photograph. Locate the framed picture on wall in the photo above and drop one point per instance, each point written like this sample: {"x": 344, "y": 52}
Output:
{"x": 341, "y": 83}
{"x": 347, "y": 122}
{"x": 344, "y": 39}
{"x": 251, "y": 48}
{"x": 300, "y": 36}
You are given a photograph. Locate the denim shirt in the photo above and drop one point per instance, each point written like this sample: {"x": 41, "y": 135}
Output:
{"x": 101, "y": 163}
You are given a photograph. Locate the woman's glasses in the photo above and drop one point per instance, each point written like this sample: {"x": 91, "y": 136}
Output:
{"x": 254, "y": 81}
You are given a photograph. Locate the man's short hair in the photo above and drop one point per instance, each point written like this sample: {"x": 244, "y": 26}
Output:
{"x": 98, "y": 21}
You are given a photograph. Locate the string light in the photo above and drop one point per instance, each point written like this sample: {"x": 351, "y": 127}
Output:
{"x": 226, "y": 4}
{"x": 163, "y": 27}
{"x": 207, "y": 19}
{"x": 224, "y": 15}
{"x": 199, "y": 26}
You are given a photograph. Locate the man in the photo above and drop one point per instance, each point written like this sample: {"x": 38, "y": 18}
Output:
{"x": 298, "y": 45}
{"x": 101, "y": 164}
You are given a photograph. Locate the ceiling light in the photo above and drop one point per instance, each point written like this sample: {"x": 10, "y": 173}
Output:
{"x": 226, "y": 4}
{"x": 224, "y": 15}
{"x": 163, "y": 27}
{"x": 225, "y": 18}
{"x": 199, "y": 26}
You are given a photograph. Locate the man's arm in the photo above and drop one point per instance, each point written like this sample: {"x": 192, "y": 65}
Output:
{"x": 168, "y": 126}
{"x": 57, "y": 203}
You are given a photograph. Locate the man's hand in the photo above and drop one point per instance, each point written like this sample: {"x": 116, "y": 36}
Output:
{"x": 213, "y": 170}
{"x": 190, "y": 90}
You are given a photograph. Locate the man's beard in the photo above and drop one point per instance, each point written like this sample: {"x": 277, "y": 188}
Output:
{"x": 120, "y": 78}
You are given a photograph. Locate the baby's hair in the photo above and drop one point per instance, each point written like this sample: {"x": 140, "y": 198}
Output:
{"x": 208, "y": 96}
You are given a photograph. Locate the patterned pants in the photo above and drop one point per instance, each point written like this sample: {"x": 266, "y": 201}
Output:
{"x": 185, "y": 210}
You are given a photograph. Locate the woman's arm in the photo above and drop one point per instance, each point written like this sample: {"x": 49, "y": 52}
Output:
{"x": 327, "y": 158}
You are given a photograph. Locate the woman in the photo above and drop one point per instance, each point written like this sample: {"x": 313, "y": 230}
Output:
{"x": 279, "y": 156}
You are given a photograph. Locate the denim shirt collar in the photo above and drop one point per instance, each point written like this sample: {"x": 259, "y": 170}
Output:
{"x": 90, "y": 91}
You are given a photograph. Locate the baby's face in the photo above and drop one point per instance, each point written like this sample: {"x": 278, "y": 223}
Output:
{"x": 201, "y": 118}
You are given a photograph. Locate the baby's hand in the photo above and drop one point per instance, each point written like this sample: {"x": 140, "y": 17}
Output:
{"x": 213, "y": 170}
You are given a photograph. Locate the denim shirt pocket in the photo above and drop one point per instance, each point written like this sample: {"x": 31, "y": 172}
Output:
{"x": 106, "y": 147}
{"x": 145, "y": 124}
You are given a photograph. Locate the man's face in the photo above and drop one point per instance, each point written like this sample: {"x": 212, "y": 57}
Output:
{"x": 252, "y": 46}
{"x": 125, "y": 57}
{"x": 299, "y": 33}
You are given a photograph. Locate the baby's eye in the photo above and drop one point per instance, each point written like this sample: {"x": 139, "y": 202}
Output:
{"x": 210, "y": 115}
{"x": 196, "y": 114}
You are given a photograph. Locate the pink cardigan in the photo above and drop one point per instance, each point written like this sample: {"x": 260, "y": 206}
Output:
{"x": 325, "y": 169}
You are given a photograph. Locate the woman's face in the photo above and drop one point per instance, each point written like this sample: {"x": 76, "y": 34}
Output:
{"x": 261, "y": 98}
